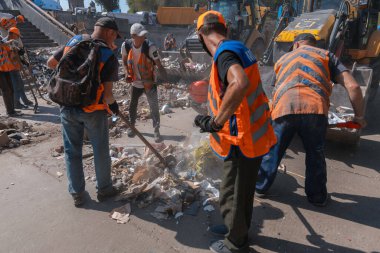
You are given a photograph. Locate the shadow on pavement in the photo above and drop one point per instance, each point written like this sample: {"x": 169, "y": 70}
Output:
{"x": 359, "y": 209}
{"x": 44, "y": 114}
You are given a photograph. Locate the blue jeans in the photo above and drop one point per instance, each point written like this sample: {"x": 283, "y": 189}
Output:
{"x": 74, "y": 121}
{"x": 312, "y": 130}
{"x": 18, "y": 87}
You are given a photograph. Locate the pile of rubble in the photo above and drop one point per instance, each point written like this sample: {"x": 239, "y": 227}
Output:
{"x": 182, "y": 189}
{"x": 14, "y": 133}
{"x": 186, "y": 69}
{"x": 170, "y": 97}
{"x": 189, "y": 184}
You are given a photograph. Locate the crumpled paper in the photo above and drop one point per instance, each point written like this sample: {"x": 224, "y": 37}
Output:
{"x": 121, "y": 214}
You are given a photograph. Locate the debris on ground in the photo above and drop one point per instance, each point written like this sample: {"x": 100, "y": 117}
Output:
{"x": 182, "y": 190}
{"x": 121, "y": 214}
{"x": 14, "y": 133}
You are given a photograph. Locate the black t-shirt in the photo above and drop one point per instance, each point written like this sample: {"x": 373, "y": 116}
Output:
{"x": 336, "y": 67}
{"x": 225, "y": 60}
{"x": 109, "y": 72}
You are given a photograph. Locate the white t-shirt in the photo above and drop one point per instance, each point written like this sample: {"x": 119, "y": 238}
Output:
{"x": 136, "y": 56}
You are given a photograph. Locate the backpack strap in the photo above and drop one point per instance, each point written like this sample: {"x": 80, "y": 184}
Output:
{"x": 144, "y": 48}
{"x": 128, "y": 45}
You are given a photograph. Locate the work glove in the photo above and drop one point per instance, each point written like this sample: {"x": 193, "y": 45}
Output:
{"x": 114, "y": 107}
{"x": 206, "y": 124}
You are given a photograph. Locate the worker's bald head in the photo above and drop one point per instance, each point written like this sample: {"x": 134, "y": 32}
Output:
{"x": 106, "y": 34}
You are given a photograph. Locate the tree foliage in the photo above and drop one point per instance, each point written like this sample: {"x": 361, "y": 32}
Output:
{"x": 108, "y": 5}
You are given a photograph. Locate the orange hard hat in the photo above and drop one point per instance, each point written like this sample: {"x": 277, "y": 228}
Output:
{"x": 15, "y": 30}
{"x": 210, "y": 17}
{"x": 20, "y": 19}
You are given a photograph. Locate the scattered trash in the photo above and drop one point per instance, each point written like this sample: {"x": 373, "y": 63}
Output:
{"x": 121, "y": 214}
{"x": 59, "y": 174}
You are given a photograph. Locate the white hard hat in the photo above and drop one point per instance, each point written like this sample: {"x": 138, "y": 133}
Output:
{"x": 138, "y": 29}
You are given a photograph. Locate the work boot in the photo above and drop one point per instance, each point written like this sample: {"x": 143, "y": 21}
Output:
{"x": 218, "y": 230}
{"x": 157, "y": 136}
{"x": 319, "y": 201}
{"x": 78, "y": 199}
{"x": 131, "y": 133}
{"x": 104, "y": 195}
{"x": 15, "y": 114}
{"x": 219, "y": 247}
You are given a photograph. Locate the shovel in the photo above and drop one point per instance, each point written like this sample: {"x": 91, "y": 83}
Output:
{"x": 168, "y": 161}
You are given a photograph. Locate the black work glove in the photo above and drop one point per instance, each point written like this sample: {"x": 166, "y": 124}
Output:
{"x": 206, "y": 124}
{"x": 114, "y": 107}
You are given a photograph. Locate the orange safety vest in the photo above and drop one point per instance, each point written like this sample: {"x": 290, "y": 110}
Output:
{"x": 105, "y": 54}
{"x": 249, "y": 128}
{"x": 15, "y": 59}
{"x": 8, "y": 23}
{"x": 303, "y": 84}
{"x": 6, "y": 64}
{"x": 145, "y": 65}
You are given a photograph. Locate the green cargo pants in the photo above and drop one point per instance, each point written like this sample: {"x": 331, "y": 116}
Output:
{"x": 236, "y": 199}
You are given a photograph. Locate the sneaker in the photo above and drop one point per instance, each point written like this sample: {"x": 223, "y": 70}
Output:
{"x": 104, "y": 195}
{"x": 157, "y": 136}
{"x": 218, "y": 230}
{"x": 219, "y": 247}
{"x": 319, "y": 203}
{"x": 78, "y": 199}
{"x": 131, "y": 133}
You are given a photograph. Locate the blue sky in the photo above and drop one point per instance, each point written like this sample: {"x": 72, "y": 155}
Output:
{"x": 123, "y": 5}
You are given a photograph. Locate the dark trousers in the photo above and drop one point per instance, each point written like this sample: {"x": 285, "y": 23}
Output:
{"x": 18, "y": 87}
{"x": 312, "y": 130}
{"x": 152, "y": 97}
{"x": 7, "y": 90}
{"x": 236, "y": 199}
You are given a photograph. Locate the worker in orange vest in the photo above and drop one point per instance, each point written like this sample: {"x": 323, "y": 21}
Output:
{"x": 17, "y": 50}
{"x": 140, "y": 56}
{"x": 239, "y": 126}
{"x": 300, "y": 104}
{"x": 8, "y": 21}
{"x": 92, "y": 118}
{"x": 6, "y": 66}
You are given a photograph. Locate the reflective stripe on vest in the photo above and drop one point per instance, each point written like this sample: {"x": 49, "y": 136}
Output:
{"x": 105, "y": 54}
{"x": 249, "y": 128}
{"x": 144, "y": 65}
{"x": 306, "y": 66}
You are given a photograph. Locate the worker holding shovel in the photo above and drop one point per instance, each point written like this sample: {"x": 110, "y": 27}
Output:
{"x": 239, "y": 127}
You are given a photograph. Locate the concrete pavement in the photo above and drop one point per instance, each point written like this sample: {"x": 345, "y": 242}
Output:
{"x": 37, "y": 214}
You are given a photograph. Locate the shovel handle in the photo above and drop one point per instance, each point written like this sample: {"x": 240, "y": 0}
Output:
{"x": 142, "y": 138}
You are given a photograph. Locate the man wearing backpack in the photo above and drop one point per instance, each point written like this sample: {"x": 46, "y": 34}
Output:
{"x": 92, "y": 117}
{"x": 139, "y": 57}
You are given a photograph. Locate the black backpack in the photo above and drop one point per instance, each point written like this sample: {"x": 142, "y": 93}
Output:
{"x": 76, "y": 80}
